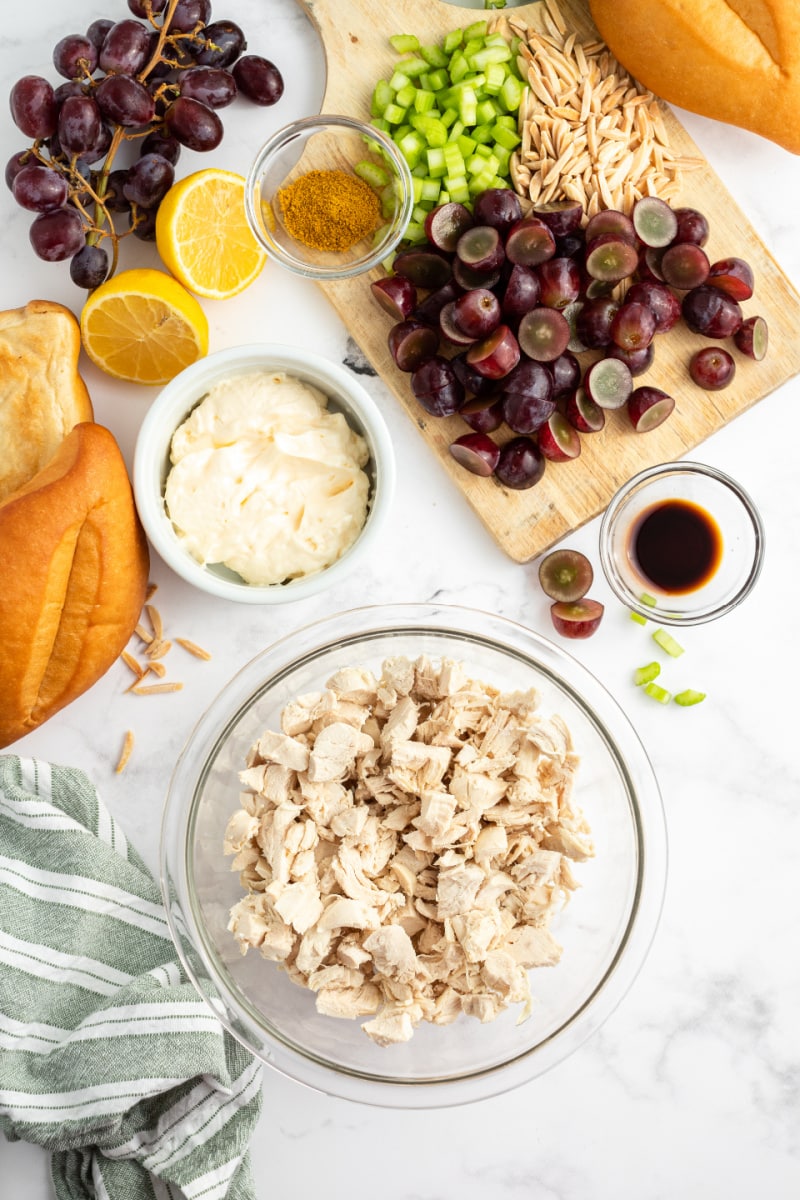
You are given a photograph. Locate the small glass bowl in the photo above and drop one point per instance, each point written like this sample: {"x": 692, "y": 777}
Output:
{"x": 730, "y": 508}
{"x": 324, "y": 143}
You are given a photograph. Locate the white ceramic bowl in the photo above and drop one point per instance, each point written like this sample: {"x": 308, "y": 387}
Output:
{"x": 606, "y": 929}
{"x": 184, "y": 392}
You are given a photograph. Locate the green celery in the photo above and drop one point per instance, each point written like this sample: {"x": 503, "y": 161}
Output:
{"x": 381, "y": 96}
{"x": 434, "y": 56}
{"x": 436, "y": 164}
{"x": 688, "y": 697}
{"x": 455, "y": 131}
{"x": 466, "y": 144}
{"x": 404, "y": 43}
{"x": 452, "y": 40}
{"x": 468, "y": 106}
{"x": 399, "y": 80}
{"x": 430, "y": 191}
{"x": 505, "y": 137}
{"x": 424, "y": 101}
{"x": 458, "y": 188}
{"x": 486, "y": 112}
{"x": 372, "y": 173}
{"x": 657, "y": 693}
{"x": 412, "y": 67}
{"x": 478, "y": 29}
{"x": 438, "y": 80}
{"x": 458, "y": 67}
{"x": 511, "y": 93}
{"x": 482, "y": 134}
{"x": 495, "y": 75}
{"x": 489, "y": 54}
{"x": 667, "y": 643}
{"x": 405, "y": 97}
{"x": 646, "y": 674}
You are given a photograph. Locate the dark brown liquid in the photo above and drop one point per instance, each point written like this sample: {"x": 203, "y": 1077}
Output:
{"x": 676, "y": 545}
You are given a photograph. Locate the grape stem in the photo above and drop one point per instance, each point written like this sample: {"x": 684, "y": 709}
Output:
{"x": 155, "y": 57}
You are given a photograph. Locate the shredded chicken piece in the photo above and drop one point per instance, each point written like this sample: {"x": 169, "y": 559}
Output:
{"x": 404, "y": 841}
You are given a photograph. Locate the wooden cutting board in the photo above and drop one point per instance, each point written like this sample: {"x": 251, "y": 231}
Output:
{"x": 355, "y": 38}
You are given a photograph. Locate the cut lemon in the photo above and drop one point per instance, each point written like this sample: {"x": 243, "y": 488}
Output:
{"x": 142, "y": 325}
{"x": 203, "y": 236}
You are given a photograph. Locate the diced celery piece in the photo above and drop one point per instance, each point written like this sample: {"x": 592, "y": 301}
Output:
{"x": 444, "y": 197}
{"x": 495, "y": 74}
{"x": 484, "y": 150}
{"x": 646, "y": 598}
{"x": 638, "y": 618}
{"x": 507, "y": 120}
{"x": 394, "y": 114}
{"x": 468, "y": 106}
{"x": 405, "y": 96}
{"x": 455, "y": 131}
{"x": 380, "y": 123}
{"x": 452, "y": 40}
{"x": 688, "y": 697}
{"x": 404, "y": 43}
{"x": 372, "y": 173}
{"x": 502, "y": 155}
{"x": 432, "y": 129}
{"x": 449, "y": 116}
{"x": 415, "y": 232}
{"x": 412, "y": 67}
{"x": 646, "y": 674}
{"x": 420, "y": 171}
{"x": 381, "y": 96}
{"x": 424, "y": 101}
{"x": 476, "y": 165}
{"x": 482, "y": 134}
{"x": 436, "y": 164}
{"x": 656, "y": 692}
{"x": 388, "y": 201}
{"x": 511, "y": 93}
{"x": 478, "y": 29}
{"x": 454, "y": 160}
{"x": 411, "y": 147}
{"x": 667, "y": 643}
{"x": 430, "y": 191}
{"x": 434, "y": 56}
{"x": 380, "y": 234}
{"x": 416, "y": 187}
{"x": 438, "y": 80}
{"x": 458, "y": 66}
{"x": 495, "y": 39}
{"x": 399, "y": 80}
{"x": 505, "y": 137}
{"x": 481, "y": 182}
{"x": 487, "y": 55}
{"x": 457, "y": 187}
{"x": 466, "y": 144}
{"x": 419, "y": 213}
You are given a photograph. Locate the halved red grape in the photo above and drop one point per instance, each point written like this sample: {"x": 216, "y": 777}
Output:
{"x": 692, "y": 226}
{"x": 521, "y": 464}
{"x": 582, "y": 412}
{"x": 610, "y": 259}
{"x": 485, "y": 419}
{"x": 560, "y": 282}
{"x": 498, "y": 207}
{"x": 477, "y": 452}
{"x": 562, "y": 217}
{"x": 663, "y": 303}
{"x": 412, "y": 343}
{"x": 426, "y": 268}
{"x": 495, "y": 355}
{"x": 566, "y": 372}
{"x": 712, "y": 368}
{"x": 558, "y": 439}
{"x": 428, "y": 309}
{"x": 733, "y": 276}
{"x": 608, "y": 382}
{"x": 445, "y": 224}
{"x": 610, "y": 220}
{"x": 450, "y": 328}
{"x": 633, "y": 326}
{"x": 435, "y": 385}
{"x": 593, "y": 322}
{"x": 648, "y": 407}
{"x": 571, "y": 245}
{"x": 526, "y": 414}
{"x": 684, "y": 265}
{"x": 396, "y": 295}
{"x": 521, "y": 292}
{"x": 481, "y": 248}
{"x": 477, "y": 312}
{"x": 637, "y": 361}
{"x": 530, "y": 242}
{"x": 544, "y": 334}
{"x": 654, "y": 221}
{"x": 752, "y": 338}
{"x": 577, "y": 620}
{"x": 709, "y": 311}
{"x": 468, "y": 278}
{"x": 473, "y": 381}
{"x": 565, "y": 575}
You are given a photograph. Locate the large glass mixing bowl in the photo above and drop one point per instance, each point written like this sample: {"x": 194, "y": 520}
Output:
{"x": 605, "y": 930}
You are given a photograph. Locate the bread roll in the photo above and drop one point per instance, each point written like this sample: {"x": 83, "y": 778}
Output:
{"x": 76, "y": 565}
{"x": 733, "y": 60}
{"x": 42, "y": 396}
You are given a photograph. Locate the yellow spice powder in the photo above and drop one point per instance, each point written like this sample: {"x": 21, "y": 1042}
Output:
{"x": 329, "y": 210}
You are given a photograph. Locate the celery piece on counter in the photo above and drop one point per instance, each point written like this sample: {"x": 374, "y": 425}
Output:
{"x": 688, "y": 697}
{"x": 667, "y": 643}
{"x": 656, "y": 692}
{"x": 646, "y": 674}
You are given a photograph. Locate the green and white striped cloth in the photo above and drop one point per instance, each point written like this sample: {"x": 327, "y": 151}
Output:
{"x": 109, "y": 1058}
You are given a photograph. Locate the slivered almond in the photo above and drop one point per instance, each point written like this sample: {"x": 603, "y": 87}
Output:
{"x": 193, "y": 648}
{"x": 158, "y": 648}
{"x": 132, "y": 664}
{"x": 125, "y": 753}
{"x": 154, "y": 616}
{"x": 143, "y": 634}
{"x": 155, "y": 689}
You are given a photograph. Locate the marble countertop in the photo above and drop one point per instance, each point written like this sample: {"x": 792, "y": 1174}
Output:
{"x": 692, "y": 1087}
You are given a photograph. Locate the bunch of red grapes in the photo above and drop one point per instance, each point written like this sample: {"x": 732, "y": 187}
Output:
{"x": 511, "y": 298}
{"x": 154, "y": 83}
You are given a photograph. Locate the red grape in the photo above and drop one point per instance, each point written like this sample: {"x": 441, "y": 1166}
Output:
{"x": 709, "y": 311}
{"x": 193, "y": 124}
{"x": 126, "y": 48}
{"x": 477, "y": 312}
{"x": 39, "y": 189}
{"x": 125, "y": 101}
{"x": 209, "y": 85}
{"x": 477, "y": 452}
{"x": 752, "y": 338}
{"x": 79, "y": 125}
{"x": 189, "y": 14}
{"x": 712, "y": 368}
{"x": 57, "y": 235}
{"x": 148, "y": 181}
{"x": 89, "y": 267}
{"x": 33, "y": 106}
{"x": 223, "y": 42}
{"x": 497, "y": 207}
{"x": 75, "y": 56}
{"x": 565, "y": 575}
{"x": 521, "y": 464}
{"x": 258, "y": 79}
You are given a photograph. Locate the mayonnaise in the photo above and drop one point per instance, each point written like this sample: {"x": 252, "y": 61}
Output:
{"x": 266, "y": 480}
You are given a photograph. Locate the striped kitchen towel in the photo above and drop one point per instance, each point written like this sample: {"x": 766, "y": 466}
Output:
{"x": 109, "y": 1058}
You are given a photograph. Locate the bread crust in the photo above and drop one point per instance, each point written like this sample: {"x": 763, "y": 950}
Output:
{"x": 736, "y": 61}
{"x": 76, "y": 574}
{"x": 42, "y": 395}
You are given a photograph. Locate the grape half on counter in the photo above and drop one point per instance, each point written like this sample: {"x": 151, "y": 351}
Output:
{"x": 153, "y": 81}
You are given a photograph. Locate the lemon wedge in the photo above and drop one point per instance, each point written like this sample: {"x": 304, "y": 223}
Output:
{"x": 203, "y": 236}
{"x": 143, "y": 326}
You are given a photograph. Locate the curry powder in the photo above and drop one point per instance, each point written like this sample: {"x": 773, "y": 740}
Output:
{"x": 329, "y": 210}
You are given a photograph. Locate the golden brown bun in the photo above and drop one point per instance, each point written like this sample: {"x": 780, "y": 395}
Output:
{"x": 42, "y": 396}
{"x": 76, "y": 564}
{"x": 733, "y": 60}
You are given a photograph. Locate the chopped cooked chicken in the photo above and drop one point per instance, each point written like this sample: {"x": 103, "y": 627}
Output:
{"x": 404, "y": 841}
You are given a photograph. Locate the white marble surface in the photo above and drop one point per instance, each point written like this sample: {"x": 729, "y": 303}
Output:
{"x": 692, "y": 1088}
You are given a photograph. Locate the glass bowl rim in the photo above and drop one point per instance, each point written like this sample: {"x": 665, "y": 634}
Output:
{"x": 281, "y": 138}
{"x": 657, "y": 612}
{"x": 615, "y": 730}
